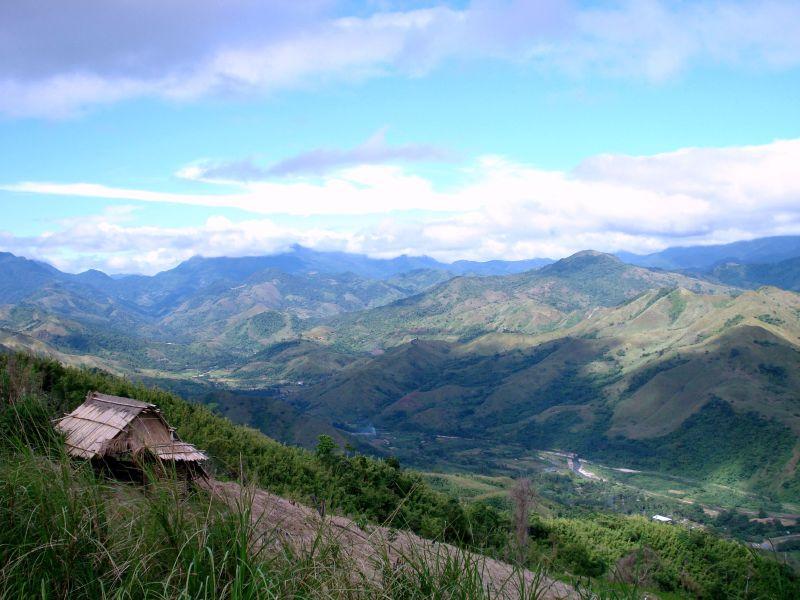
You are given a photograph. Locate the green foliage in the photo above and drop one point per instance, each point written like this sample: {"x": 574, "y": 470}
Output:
{"x": 325, "y": 448}
{"x": 677, "y": 305}
{"x": 735, "y": 320}
{"x": 656, "y": 297}
{"x": 776, "y": 374}
{"x": 691, "y": 561}
{"x": 266, "y": 323}
{"x": 641, "y": 377}
{"x": 69, "y": 533}
{"x": 727, "y": 447}
{"x": 376, "y": 490}
{"x": 770, "y": 319}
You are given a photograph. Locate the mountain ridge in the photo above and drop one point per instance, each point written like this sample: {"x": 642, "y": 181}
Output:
{"x": 588, "y": 353}
{"x": 759, "y": 250}
{"x": 554, "y": 296}
{"x": 655, "y": 370}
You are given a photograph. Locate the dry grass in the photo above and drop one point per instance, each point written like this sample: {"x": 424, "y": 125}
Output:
{"x": 370, "y": 550}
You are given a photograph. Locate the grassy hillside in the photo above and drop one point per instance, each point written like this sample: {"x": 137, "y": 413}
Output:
{"x": 359, "y": 486}
{"x": 71, "y": 533}
{"x": 553, "y": 297}
{"x": 641, "y": 384}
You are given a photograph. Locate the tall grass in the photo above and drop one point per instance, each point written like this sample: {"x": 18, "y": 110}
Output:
{"x": 68, "y": 532}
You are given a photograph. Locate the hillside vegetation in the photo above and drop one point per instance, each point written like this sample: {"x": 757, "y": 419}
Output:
{"x": 553, "y": 297}
{"x": 644, "y": 384}
{"x": 632, "y": 366}
{"x": 68, "y": 532}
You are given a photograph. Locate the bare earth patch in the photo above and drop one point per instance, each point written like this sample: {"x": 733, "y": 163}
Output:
{"x": 370, "y": 549}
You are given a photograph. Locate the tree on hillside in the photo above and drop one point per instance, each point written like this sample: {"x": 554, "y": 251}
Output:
{"x": 522, "y": 503}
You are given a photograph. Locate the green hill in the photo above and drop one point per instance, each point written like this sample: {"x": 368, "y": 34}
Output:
{"x": 553, "y": 297}
{"x": 69, "y": 532}
{"x": 645, "y": 384}
{"x": 623, "y": 363}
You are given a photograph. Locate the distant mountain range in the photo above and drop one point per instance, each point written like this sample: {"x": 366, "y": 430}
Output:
{"x": 749, "y": 264}
{"x": 705, "y": 258}
{"x": 784, "y": 274}
{"x": 208, "y": 314}
{"x": 681, "y": 369}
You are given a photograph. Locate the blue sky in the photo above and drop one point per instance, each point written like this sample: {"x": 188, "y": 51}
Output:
{"x": 465, "y": 130}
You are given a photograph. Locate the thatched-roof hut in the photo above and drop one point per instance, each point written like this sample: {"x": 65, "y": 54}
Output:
{"x": 128, "y": 433}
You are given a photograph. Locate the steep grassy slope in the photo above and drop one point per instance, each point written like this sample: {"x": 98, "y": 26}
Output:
{"x": 71, "y": 533}
{"x": 373, "y": 489}
{"x": 68, "y": 532}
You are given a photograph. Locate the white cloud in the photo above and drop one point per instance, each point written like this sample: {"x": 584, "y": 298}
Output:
{"x": 105, "y": 243}
{"x": 61, "y": 57}
{"x": 373, "y": 151}
{"x": 502, "y": 209}
{"x": 357, "y": 190}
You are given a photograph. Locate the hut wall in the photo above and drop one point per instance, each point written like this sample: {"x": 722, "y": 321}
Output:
{"x": 147, "y": 430}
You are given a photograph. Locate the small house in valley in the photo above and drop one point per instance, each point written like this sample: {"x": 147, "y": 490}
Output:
{"x": 662, "y": 519}
{"x": 126, "y": 435}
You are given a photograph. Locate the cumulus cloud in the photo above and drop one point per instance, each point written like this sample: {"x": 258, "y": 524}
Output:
{"x": 744, "y": 177}
{"x": 501, "y": 209}
{"x": 107, "y": 243}
{"x": 60, "y": 57}
{"x": 373, "y": 151}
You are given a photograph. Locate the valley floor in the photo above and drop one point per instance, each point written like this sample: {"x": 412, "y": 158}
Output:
{"x": 570, "y": 484}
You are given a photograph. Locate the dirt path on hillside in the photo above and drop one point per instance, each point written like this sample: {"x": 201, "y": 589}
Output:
{"x": 283, "y": 521}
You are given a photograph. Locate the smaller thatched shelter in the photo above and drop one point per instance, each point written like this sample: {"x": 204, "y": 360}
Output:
{"x": 126, "y": 434}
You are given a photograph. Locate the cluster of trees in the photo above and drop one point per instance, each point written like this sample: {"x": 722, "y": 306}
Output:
{"x": 671, "y": 558}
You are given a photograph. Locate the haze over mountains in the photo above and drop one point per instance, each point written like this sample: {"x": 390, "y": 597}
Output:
{"x": 638, "y": 366}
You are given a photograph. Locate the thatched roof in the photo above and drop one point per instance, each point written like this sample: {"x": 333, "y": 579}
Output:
{"x": 101, "y": 427}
